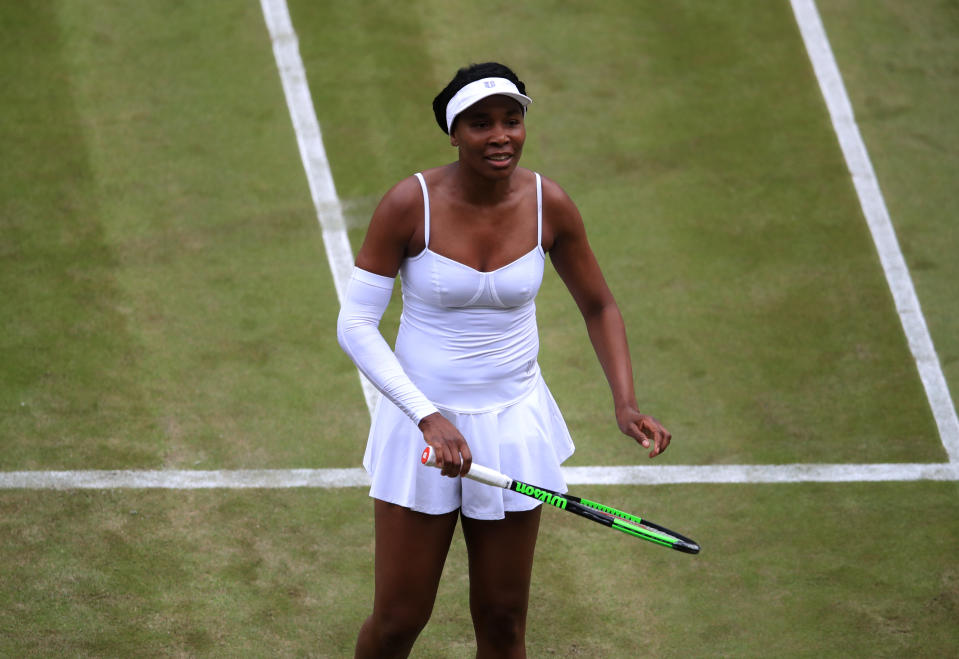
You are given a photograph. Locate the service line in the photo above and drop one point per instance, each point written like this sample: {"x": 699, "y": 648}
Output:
{"x": 171, "y": 479}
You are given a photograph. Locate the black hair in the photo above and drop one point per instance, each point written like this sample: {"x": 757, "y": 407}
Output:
{"x": 465, "y": 76}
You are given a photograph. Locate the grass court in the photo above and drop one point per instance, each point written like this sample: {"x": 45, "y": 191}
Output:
{"x": 167, "y": 305}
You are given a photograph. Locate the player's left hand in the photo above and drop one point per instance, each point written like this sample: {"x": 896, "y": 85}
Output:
{"x": 644, "y": 429}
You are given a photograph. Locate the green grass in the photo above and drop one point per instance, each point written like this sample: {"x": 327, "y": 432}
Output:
{"x": 63, "y": 312}
{"x": 185, "y": 318}
{"x": 171, "y": 303}
{"x": 167, "y": 304}
{"x": 900, "y": 70}
{"x": 127, "y": 573}
{"x": 235, "y": 573}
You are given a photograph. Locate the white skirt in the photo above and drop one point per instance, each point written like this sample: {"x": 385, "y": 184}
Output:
{"x": 527, "y": 440}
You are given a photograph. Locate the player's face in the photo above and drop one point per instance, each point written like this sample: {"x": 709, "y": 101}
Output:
{"x": 490, "y": 136}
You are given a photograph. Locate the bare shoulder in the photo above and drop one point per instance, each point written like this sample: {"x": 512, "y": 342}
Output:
{"x": 556, "y": 200}
{"x": 561, "y": 217}
{"x": 552, "y": 191}
{"x": 402, "y": 200}
{"x": 392, "y": 228}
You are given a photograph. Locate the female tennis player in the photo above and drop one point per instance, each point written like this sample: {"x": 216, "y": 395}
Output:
{"x": 469, "y": 240}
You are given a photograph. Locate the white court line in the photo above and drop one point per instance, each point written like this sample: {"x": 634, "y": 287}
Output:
{"x": 610, "y": 475}
{"x": 329, "y": 212}
{"x": 338, "y": 251}
{"x": 880, "y": 224}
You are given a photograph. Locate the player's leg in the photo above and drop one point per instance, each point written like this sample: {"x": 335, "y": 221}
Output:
{"x": 411, "y": 549}
{"x": 500, "y": 566}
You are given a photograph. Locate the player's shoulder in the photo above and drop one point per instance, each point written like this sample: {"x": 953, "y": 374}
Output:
{"x": 405, "y": 196}
{"x": 398, "y": 214}
{"x": 556, "y": 201}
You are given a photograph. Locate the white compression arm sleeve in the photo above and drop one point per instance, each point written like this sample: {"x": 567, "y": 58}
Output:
{"x": 357, "y": 329}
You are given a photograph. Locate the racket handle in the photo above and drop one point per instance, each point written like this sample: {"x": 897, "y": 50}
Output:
{"x": 478, "y": 473}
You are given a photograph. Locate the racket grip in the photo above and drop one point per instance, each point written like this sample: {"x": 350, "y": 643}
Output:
{"x": 478, "y": 473}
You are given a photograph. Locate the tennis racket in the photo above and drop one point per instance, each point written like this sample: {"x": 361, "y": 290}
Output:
{"x": 614, "y": 519}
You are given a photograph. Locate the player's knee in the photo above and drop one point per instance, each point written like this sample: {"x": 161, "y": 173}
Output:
{"x": 501, "y": 626}
{"x": 398, "y": 627}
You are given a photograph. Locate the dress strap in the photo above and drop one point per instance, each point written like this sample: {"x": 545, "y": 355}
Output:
{"x": 539, "y": 210}
{"x": 426, "y": 209}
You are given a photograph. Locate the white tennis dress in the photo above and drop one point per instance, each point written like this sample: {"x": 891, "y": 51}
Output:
{"x": 469, "y": 341}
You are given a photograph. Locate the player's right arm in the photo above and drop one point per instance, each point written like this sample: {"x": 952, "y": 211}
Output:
{"x": 395, "y": 232}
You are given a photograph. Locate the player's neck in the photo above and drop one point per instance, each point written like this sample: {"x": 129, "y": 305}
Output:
{"x": 477, "y": 189}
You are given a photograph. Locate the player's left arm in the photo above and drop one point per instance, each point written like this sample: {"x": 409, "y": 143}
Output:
{"x": 564, "y": 237}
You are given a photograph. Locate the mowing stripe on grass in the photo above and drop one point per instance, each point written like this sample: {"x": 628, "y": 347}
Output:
{"x": 338, "y": 478}
{"x": 329, "y": 212}
{"x": 880, "y": 224}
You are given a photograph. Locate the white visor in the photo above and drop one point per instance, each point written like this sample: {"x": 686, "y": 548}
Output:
{"x": 476, "y": 91}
